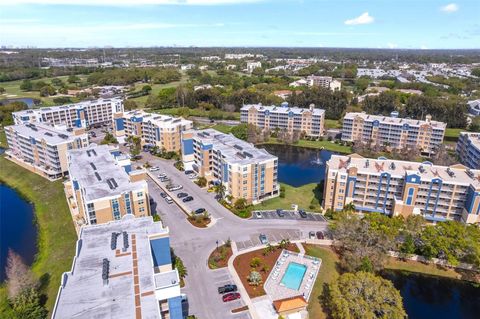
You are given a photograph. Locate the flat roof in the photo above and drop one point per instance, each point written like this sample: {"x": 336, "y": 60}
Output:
{"x": 473, "y": 138}
{"x": 455, "y": 174}
{"x": 67, "y": 106}
{"x": 393, "y": 120}
{"x": 157, "y": 119}
{"x": 50, "y": 134}
{"x": 236, "y": 151}
{"x": 83, "y": 293}
{"x": 98, "y": 172}
{"x": 281, "y": 109}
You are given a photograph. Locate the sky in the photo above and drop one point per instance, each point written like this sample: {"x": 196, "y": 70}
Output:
{"x": 413, "y": 24}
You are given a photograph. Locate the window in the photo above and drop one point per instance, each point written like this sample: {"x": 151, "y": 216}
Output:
{"x": 140, "y": 202}
{"x": 245, "y": 182}
{"x": 115, "y": 209}
{"x": 140, "y": 194}
{"x": 410, "y": 195}
{"x": 141, "y": 209}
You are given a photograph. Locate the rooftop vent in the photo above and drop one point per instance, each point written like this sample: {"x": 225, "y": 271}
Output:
{"x": 113, "y": 241}
{"x": 105, "y": 270}
{"x": 470, "y": 173}
{"x": 93, "y": 166}
{"x": 48, "y": 134}
{"x": 98, "y": 176}
{"x": 450, "y": 172}
{"x": 125, "y": 241}
{"x": 392, "y": 165}
{"x": 63, "y": 136}
{"x": 112, "y": 184}
{"x": 421, "y": 169}
{"x": 367, "y": 163}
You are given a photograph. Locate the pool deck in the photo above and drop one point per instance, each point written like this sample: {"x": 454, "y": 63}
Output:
{"x": 273, "y": 285}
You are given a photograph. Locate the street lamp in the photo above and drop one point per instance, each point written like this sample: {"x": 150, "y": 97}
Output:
{"x": 217, "y": 244}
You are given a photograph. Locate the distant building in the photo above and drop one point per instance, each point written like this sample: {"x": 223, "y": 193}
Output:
{"x": 474, "y": 107}
{"x": 185, "y": 67}
{"x": 42, "y": 148}
{"x": 438, "y": 193}
{"x": 211, "y": 58}
{"x": 202, "y": 87}
{"x": 83, "y": 114}
{"x": 234, "y": 56}
{"x": 231, "y": 67}
{"x": 393, "y": 131}
{"x": 310, "y": 121}
{"x": 323, "y": 81}
{"x": 253, "y": 65}
{"x": 468, "y": 149}
{"x": 154, "y": 129}
{"x": 104, "y": 187}
{"x": 121, "y": 269}
{"x": 246, "y": 172}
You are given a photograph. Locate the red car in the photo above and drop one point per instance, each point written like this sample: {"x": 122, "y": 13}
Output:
{"x": 230, "y": 296}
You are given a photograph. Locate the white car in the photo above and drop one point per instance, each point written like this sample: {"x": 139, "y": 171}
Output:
{"x": 175, "y": 188}
{"x": 169, "y": 200}
{"x": 163, "y": 175}
{"x": 258, "y": 215}
{"x": 154, "y": 169}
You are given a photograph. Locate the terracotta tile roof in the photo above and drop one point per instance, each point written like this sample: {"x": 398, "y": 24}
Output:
{"x": 289, "y": 304}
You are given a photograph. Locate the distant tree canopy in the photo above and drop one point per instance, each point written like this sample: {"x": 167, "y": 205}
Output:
{"x": 6, "y": 112}
{"x": 131, "y": 75}
{"x": 334, "y": 103}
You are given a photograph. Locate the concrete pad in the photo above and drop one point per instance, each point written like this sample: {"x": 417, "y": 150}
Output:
{"x": 264, "y": 308}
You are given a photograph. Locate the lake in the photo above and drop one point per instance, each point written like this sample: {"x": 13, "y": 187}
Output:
{"x": 17, "y": 228}
{"x": 298, "y": 166}
{"x": 29, "y": 101}
{"x": 432, "y": 297}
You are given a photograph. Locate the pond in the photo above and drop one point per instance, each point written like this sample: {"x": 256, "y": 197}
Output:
{"x": 17, "y": 228}
{"x": 432, "y": 297}
{"x": 29, "y": 101}
{"x": 298, "y": 166}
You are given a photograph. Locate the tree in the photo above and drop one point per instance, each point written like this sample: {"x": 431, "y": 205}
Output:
{"x": 130, "y": 104}
{"x": 202, "y": 181}
{"x": 2, "y": 90}
{"x": 254, "y": 278}
{"x": 240, "y": 131}
{"x": 27, "y": 305}
{"x": 240, "y": 203}
{"x": 47, "y": 90}
{"x": 26, "y": 85}
{"x": 255, "y": 262}
{"x": 135, "y": 145}
{"x": 147, "y": 89}
{"x": 441, "y": 156}
{"x": 109, "y": 139}
{"x": 220, "y": 191}
{"x": 19, "y": 276}
{"x": 182, "y": 270}
{"x": 73, "y": 79}
{"x": 363, "y": 295}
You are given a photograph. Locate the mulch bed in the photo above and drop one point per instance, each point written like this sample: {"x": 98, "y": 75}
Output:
{"x": 237, "y": 310}
{"x": 215, "y": 259}
{"x": 242, "y": 266}
{"x": 199, "y": 222}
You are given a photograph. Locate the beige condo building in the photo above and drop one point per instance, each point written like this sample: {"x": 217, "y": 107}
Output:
{"x": 104, "y": 187}
{"x": 247, "y": 172}
{"x": 153, "y": 129}
{"x": 392, "y": 187}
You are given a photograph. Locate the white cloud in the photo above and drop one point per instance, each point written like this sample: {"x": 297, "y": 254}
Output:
{"x": 127, "y": 2}
{"x": 423, "y": 47}
{"x": 364, "y": 18}
{"x": 449, "y": 8}
{"x": 392, "y": 45}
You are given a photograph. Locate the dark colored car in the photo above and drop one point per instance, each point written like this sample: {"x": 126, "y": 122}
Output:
{"x": 227, "y": 288}
{"x": 200, "y": 211}
{"x": 163, "y": 195}
{"x": 280, "y": 213}
{"x": 231, "y": 296}
{"x": 187, "y": 199}
{"x": 188, "y": 172}
{"x": 181, "y": 195}
{"x": 302, "y": 214}
{"x": 320, "y": 235}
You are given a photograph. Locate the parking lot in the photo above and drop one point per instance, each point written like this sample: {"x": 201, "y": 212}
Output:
{"x": 273, "y": 236}
{"x": 222, "y": 277}
{"x": 289, "y": 214}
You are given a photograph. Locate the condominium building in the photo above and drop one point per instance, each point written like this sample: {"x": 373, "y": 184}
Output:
{"x": 123, "y": 270}
{"x": 42, "y": 148}
{"x": 83, "y": 114}
{"x": 252, "y": 65}
{"x": 104, "y": 187}
{"x": 393, "y": 131}
{"x": 468, "y": 149}
{"x": 310, "y": 121}
{"x": 246, "y": 172}
{"x": 153, "y": 129}
{"x": 438, "y": 193}
{"x": 323, "y": 81}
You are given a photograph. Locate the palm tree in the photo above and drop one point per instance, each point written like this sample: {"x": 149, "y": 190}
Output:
{"x": 350, "y": 207}
{"x": 220, "y": 191}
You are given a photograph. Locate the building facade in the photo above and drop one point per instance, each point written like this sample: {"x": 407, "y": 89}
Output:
{"x": 121, "y": 269}
{"x": 468, "y": 149}
{"x": 245, "y": 171}
{"x": 84, "y": 114}
{"x": 393, "y": 131}
{"x": 310, "y": 121}
{"x": 103, "y": 187}
{"x": 42, "y": 149}
{"x": 438, "y": 193}
{"x": 154, "y": 129}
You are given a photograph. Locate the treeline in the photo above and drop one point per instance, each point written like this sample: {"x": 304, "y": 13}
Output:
{"x": 6, "y": 112}
{"x": 451, "y": 111}
{"x": 132, "y": 75}
{"x": 21, "y": 73}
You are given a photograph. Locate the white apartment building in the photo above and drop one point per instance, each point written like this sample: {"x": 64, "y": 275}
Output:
{"x": 323, "y": 81}
{"x": 425, "y": 135}
{"x": 253, "y": 65}
{"x": 154, "y": 129}
{"x": 391, "y": 187}
{"x": 311, "y": 120}
{"x": 468, "y": 149}
{"x": 83, "y": 114}
{"x": 42, "y": 148}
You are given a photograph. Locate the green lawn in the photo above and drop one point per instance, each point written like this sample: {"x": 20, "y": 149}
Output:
{"x": 333, "y": 124}
{"x": 57, "y": 237}
{"x": 3, "y": 139}
{"x": 452, "y": 134}
{"x": 141, "y": 100}
{"x": 185, "y": 112}
{"x": 306, "y": 197}
{"x": 222, "y": 128}
{"x": 328, "y": 145}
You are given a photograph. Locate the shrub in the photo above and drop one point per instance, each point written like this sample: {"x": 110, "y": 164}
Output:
{"x": 254, "y": 278}
{"x": 255, "y": 262}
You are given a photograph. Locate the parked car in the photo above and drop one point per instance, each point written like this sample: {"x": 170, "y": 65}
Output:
{"x": 320, "y": 235}
{"x": 175, "y": 188}
{"x": 162, "y": 175}
{"x": 163, "y": 195}
{"x": 192, "y": 176}
{"x": 263, "y": 239}
{"x": 302, "y": 213}
{"x": 169, "y": 200}
{"x": 181, "y": 195}
{"x": 188, "y": 172}
{"x": 227, "y": 288}
{"x": 280, "y": 213}
{"x": 231, "y": 296}
{"x": 187, "y": 199}
{"x": 154, "y": 169}
{"x": 258, "y": 215}
{"x": 311, "y": 235}
{"x": 164, "y": 179}
{"x": 200, "y": 211}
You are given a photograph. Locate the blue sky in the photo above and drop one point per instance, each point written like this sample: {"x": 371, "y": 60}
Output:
{"x": 431, "y": 24}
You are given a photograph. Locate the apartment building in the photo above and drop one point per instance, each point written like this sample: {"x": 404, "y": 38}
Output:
{"x": 42, "y": 149}
{"x": 83, "y": 114}
{"x": 393, "y": 131}
{"x": 153, "y": 129}
{"x": 310, "y": 121}
{"x": 104, "y": 187}
{"x": 322, "y": 81}
{"x": 252, "y": 65}
{"x": 468, "y": 149}
{"x": 121, "y": 269}
{"x": 246, "y": 172}
{"x": 438, "y": 193}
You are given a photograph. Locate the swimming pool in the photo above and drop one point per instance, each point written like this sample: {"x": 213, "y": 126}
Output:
{"x": 294, "y": 275}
